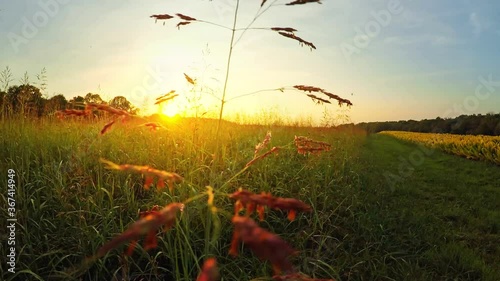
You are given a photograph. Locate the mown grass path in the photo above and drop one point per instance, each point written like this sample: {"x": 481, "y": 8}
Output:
{"x": 432, "y": 216}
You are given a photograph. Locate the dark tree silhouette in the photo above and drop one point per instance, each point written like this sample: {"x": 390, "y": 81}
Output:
{"x": 57, "y": 102}
{"x": 25, "y": 99}
{"x": 77, "y": 103}
{"x": 120, "y": 102}
{"x": 93, "y": 98}
{"x": 476, "y": 124}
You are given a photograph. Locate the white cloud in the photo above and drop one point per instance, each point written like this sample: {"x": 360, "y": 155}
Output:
{"x": 410, "y": 19}
{"x": 474, "y": 21}
{"x": 418, "y": 76}
{"x": 431, "y": 39}
{"x": 478, "y": 23}
{"x": 418, "y": 27}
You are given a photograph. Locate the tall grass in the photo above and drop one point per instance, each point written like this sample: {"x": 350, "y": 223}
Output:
{"x": 69, "y": 205}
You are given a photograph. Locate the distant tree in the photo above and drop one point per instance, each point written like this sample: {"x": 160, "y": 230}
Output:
{"x": 93, "y": 98}
{"x": 471, "y": 123}
{"x": 120, "y": 102}
{"x": 2, "y": 97}
{"x": 464, "y": 124}
{"x": 438, "y": 125}
{"x": 497, "y": 129}
{"x": 458, "y": 126}
{"x": 487, "y": 125}
{"x": 57, "y": 102}
{"x": 25, "y": 99}
{"x": 76, "y": 103}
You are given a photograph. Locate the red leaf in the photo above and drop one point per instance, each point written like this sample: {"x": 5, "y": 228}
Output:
{"x": 209, "y": 272}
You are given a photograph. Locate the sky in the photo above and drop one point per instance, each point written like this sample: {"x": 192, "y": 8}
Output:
{"x": 394, "y": 59}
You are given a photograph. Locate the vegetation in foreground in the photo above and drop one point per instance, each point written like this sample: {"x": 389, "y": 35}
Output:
{"x": 431, "y": 227}
{"x": 70, "y": 205}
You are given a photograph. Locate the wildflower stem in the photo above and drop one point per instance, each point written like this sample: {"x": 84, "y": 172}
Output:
{"x": 233, "y": 177}
{"x": 259, "y": 13}
{"x": 223, "y": 100}
{"x": 196, "y": 197}
{"x": 252, "y": 93}
{"x": 216, "y": 24}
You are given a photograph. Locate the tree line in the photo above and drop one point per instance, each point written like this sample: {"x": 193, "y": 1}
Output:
{"x": 476, "y": 124}
{"x": 27, "y": 100}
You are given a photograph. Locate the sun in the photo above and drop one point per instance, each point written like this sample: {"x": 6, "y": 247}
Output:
{"x": 170, "y": 110}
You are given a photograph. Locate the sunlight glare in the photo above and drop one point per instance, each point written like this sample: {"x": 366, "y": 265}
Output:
{"x": 170, "y": 110}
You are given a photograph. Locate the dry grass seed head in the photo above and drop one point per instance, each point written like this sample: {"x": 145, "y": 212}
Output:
{"x": 302, "y": 2}
{"x": 149, "y": 173}
{"x": 252, "y": 201}
{"x": 161, "y": 17}
{"x": 306, "y": 145}
{"x": 265, "y": 245}
{"x": 72, "y": 112}
{"x": 189, "y": 79}
{"x": 286, "y": 29}
{"x": 182, "y": 23}
{"x": 146, "y": 225}
{"x": 261, "y": 145}
{"x": 273, "y": 150}
{"x": 109, "y": 109}
{"x": 168, "y": 96}
{"x": 300, "y": 40}
{"x": 186, "y": 18}
{"x": 310, "y": 89}
{"x": 209, "y": 271}
{"x": 107, "y": 127}
{"x": 154, "y": 126}
{"x": 318, "y": 100}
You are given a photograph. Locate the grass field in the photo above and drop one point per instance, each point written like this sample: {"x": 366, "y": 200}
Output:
{"x": 441, "y": 220}
{"x": 371, "y": 219}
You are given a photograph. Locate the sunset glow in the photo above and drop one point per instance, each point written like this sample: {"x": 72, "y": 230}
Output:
{"x": 169, "y": 109}
{"x": 419, "y": 59}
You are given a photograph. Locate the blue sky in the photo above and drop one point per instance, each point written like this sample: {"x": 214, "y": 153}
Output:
{"x": 426, "y": 59}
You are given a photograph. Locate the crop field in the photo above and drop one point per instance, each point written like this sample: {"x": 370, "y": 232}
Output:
{"x": 486, "y": 148}
{"x": 144, "y": 202}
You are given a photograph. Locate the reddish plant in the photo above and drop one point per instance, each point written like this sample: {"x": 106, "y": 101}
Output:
{"x": 149, "y": 173}
{"x": 273, "y": 150}
{"x": 263, "y": 144}
{"x": 252, "y": 201}
{"x": 107, "y": 127}
{"x": 147, "y": 225}
{"x": 209, "y": 271}
{"x": 265, "y": 245}
{"x": 306, "y": 145}
{"x": 72, "y": 112}
{"x": 154, "y": 126}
